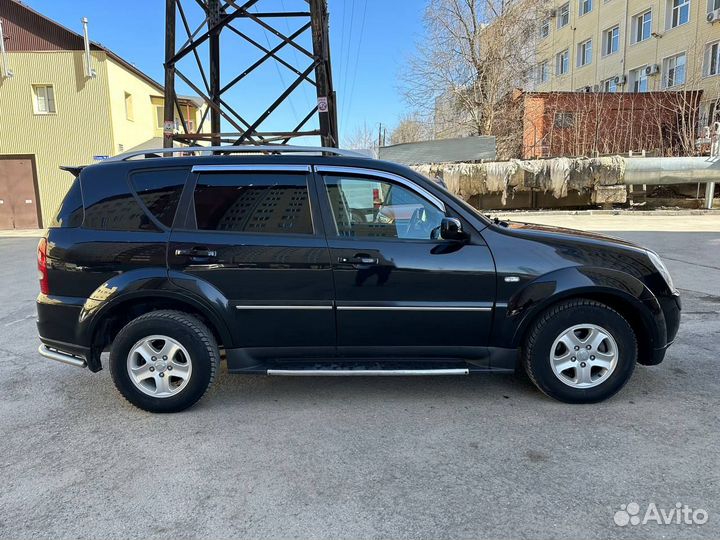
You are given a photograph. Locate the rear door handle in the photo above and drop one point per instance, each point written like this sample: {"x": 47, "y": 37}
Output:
{"x": 195, "y": 252}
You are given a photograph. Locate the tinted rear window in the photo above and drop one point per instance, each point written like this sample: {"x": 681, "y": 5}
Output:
{"x": 160, "y": 191}
{"x": 253, "y": 202}
{"x": 70, "y": 213}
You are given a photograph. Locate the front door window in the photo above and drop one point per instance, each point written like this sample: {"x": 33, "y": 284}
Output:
{"x": 364, "y": 207}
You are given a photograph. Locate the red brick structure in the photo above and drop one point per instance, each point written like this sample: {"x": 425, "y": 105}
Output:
{"x": 586, "y": 124}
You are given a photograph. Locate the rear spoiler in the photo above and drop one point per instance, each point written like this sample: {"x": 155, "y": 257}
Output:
{"x": 73, "y": 169}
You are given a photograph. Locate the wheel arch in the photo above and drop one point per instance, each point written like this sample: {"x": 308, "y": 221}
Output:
{"x": 107, "y": 322}
{"x": 619, "y": 291}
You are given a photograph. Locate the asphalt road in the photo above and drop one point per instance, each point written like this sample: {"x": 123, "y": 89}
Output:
{"x": 335, "y": 458}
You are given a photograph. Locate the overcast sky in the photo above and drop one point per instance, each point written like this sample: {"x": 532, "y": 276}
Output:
{"x": 370, "y": 40}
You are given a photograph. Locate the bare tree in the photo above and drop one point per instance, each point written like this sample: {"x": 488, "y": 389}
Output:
{"x": 473, "y": 54}
{"x": 361, "y": 138}
{"x": 409, "y": 129}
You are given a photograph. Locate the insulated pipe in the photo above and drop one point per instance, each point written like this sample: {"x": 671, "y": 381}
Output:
{"x": 671, "y": 170}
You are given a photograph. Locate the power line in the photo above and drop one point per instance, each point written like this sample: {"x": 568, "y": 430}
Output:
{"x": 355, "y": 68}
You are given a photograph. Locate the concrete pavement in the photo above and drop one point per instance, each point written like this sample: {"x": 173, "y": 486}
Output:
{"x": 333, "y": 458}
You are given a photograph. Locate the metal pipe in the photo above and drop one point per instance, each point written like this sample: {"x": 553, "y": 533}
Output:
{"x": 89, "y": 71}
{"x": 60, "y": 356}
{"x": 671, "y": 170}
{"x": 6, "y": 71}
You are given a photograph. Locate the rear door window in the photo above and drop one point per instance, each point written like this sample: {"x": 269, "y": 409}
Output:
{"x": 253, "y": 202}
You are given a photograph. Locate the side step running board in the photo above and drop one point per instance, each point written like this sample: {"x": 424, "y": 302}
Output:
{"x": 364, "y": 372}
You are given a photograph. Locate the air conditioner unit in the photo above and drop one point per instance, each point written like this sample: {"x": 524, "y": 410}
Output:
{"x": 596, "y": 88}
{"x": 586, "y": 89}
{"x": 619, "y": 80}
{"x": 713, "y": 16}
{"x": 652, "y": 69}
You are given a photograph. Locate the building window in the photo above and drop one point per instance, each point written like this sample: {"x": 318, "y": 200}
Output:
{"x": 562, "y": 62}
{"x": 545, "y": 29}
{"x": 564, "y": 119}
{"x": 712, "y": 5}
{"x": 611, "y": 41}
{"x": 674, "y": 70}
{"x": 44, "y": 98}
{"x": 610, "y": 85}
{"x": 678, "y": 12}
{"x": 129, "y": 110}
{"x": 639, "y": 80}
{"x": 563, "y": 18}
{"x": 712, "y": 58}
{"x": 543, "y": 72}
{"x": 585, "y": 7}
{"x": 642, "y": 26}
{"x": 584, "y": 54}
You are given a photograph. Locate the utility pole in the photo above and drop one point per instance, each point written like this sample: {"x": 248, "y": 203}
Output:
{"x": 193, "y": 55}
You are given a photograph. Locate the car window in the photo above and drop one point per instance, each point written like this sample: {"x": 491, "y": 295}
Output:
{"x": 370, "y": 207}
{"x": 256, "y": 202}
{"x": 160, "y": 191}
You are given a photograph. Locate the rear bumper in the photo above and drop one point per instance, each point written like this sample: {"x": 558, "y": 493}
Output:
{"x": 57, "y": 324}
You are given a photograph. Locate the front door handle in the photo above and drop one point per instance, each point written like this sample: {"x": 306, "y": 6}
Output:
{"x": 195, "y": 252}
{"x": 360, "y": 258}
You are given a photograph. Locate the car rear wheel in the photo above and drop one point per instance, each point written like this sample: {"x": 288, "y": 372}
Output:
{"x": 164, "y": 361}
{"x": 580, "y": 351}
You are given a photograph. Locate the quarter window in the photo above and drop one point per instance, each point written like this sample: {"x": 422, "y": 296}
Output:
{"x": 160, "y": 191}
{"x": 364, "y": 207}
{"x": 44, "y": 99}
{"x": 272, "y": 202}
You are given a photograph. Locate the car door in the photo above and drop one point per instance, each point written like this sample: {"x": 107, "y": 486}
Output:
{"x": 400, "y": 290}
{"x": 252, "y": 237}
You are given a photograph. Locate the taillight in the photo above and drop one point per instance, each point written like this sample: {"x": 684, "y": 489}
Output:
{"x": 42, "y": 266}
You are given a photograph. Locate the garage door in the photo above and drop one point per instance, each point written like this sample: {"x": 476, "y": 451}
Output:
{"x": 18, "y": 199}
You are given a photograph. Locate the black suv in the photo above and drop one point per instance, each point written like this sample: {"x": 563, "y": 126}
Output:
{"x": 316, "y": 262}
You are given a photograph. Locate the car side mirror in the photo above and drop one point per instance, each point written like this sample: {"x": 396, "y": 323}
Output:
{"x": 451, "y": 229}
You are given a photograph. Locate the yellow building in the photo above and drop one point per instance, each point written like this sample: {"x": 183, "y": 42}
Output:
{"x": 631, "y": 46}
{"x": 59, "y": 107}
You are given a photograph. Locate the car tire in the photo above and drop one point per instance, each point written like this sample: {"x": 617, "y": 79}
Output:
{"x": 580, "y": 351}
{"x": 164, "y": 361}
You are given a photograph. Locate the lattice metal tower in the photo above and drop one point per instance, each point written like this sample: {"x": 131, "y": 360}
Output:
{"x": 195, "y": 56}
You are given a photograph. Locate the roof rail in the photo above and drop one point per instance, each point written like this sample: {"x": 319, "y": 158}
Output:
{"x": 244, "y": 149}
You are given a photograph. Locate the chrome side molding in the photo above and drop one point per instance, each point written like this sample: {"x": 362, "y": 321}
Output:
{"x": 60, "y": 356}
{"x": 365, "y": 372}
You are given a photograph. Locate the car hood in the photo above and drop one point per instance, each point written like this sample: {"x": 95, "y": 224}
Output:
{"x": 537, "y": 231}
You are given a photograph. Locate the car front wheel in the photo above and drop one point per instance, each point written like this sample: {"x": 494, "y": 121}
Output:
{"x": 164, "y": 361}
{"x": 580, "y": 351}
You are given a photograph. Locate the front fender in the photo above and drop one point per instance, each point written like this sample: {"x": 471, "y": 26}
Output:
{"x": 535, "y": 296}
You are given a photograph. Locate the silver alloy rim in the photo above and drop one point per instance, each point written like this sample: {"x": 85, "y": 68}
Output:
{"x": 159, "y": 366}
{"x": 584, "y": 356}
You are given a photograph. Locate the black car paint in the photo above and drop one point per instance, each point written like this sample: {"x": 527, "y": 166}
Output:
{"x": 98, "y": 273}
